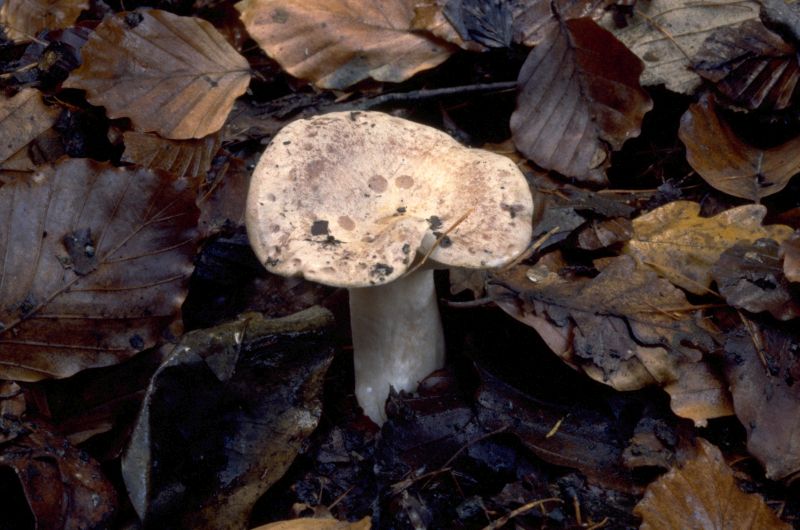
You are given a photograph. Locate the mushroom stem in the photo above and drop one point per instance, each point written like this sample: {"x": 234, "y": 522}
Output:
{"x": 397, "y": 338}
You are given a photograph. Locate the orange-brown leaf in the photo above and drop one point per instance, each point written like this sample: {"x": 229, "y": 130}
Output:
{"x": 579, "y": 94}
{"x": 182, "y": 158}
{"x": 727, "y": 163}
{"x": 93, "y": 265}
{"x": 176, "y": 76}
{"x": 703, "y": 494}
{"x": 23, "y": 19}
{"x": 750, "y": 64}
{"x": 337, "y": 43}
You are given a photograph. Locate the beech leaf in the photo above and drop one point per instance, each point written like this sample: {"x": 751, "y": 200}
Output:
{"x": 22, "y": 118}
{"x": 751, "y": 65}
{"x": 666, "y": 34}
{"x": 681, "y": 246}
{"x": 173, "y": 75}
{"x": 24, "y": 19}
{"x": 579, "y": 94}
{"x": 182, "y": 158}
{"x": 337, "y": 43}
{"x": 702, "y": 493}
{"x": 730, "y": 165}
{"x": 94, "y": 262}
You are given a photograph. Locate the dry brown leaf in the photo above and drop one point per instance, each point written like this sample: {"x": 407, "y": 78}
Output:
{"x": 428, "y": 16}
{"x": 681, "y": 246}
{"x": 579, "y": 94}
{"x": 727, "y": 163}
{"x": 182, "y": 158}
{"x": 702, "y": 493}
{"x": 751, "y": 65}
{"x": 22, "y": 118}
{"x": 337, "y": 43}
{"x": 317, "y": 524}
{"x": 94, "y": 265}
{"x": 23, "y": 19}
{"x": 666, "y": 34}
{"x": 761, "y": 366}
{"x": 173, "y": 75}
{"x": 625, "y": 328}
{"x": 699, "y": 393}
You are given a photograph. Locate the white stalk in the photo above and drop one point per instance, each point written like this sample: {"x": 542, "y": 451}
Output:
{"x": 397, "y": 338}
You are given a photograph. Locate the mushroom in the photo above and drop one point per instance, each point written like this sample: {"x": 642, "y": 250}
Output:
{"x": 374, "y": 203}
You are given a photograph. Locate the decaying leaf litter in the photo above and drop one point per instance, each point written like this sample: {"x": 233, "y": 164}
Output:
{"x": 159, "y": 376}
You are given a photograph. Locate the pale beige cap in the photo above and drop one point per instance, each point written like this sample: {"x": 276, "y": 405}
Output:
{"x": 349, "y": 199}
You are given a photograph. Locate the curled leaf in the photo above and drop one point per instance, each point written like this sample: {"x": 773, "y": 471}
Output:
{"x": 727, "y": 163}
{"x": 173, "y": 75}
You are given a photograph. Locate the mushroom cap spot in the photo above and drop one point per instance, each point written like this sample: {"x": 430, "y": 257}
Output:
{"x": 480, "y": 201}
{"x": 404, "y": 181}
{"x": 346, "y": 223}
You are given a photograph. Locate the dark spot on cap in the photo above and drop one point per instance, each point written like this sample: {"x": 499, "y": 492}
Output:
{"x": 381, "y": 270}
{"x": 319, "y": 228}
{"x": 377, "y": 183}
{"x": 434, "y": 222}
{"x": 445, "y": 242}
{"x": 404, "y": 181}
{"x": 287, "y": 142}
{"x": 271, "y": 262}
{"x": 512, "y": 209}
{"x": 402, "y": 209}
{"x": 406, "y": 248}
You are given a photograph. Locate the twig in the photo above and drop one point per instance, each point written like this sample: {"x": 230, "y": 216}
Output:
{"x": 430, "y": 93}
{"x": 497, "y": 523}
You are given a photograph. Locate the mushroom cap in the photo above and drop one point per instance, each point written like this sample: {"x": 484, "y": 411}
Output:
{"x": 348, "y": 199}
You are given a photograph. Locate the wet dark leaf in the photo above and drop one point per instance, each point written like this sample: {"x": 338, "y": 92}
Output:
{"x": 224, "y": 417}
{"x": 762, "y": 364}
{"x": 576, "y": 102}
{"x": 65, "y": 488}
{"x": 96, "y": 261}
{"x": 487, "y": 22}
{"x": 750, "y": 277}
{"x": 751, "y": 65}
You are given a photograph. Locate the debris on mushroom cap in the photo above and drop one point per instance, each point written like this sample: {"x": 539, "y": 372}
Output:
{"x": 349, "y": 198}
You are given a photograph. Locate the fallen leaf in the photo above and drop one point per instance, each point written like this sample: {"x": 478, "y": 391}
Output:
{"x": 64, "y": 486}
{"x": 22, "y": 118}
{"x": 575, "y": 100}
{"x": 699, "y": 393}
{"x": 727, "y": 163}
{"x": 182, "y": 158}
{"x": 176, "y": 76}
{"x": 791, "y": 257}
{"x": 429, "y": 16}
{"x": 750, "y": 65}
{"x": 666, "y": 34}
{"x": 625, "y": 328}
{"x": 95, "y": 263}
{"x": 24, "y": 19}
{"x": 337, "y": 43}
{"x": 702, "y": 493}
{"x": 487, "y": 22}
{"x": 762, "y": 369}
{"x": 599, "y": 234}
{"x": 317, "y": 524}
{"x": 532, "y": 19}
{"x": 12, "y": 407}
{"x": 681, "y": 246}
{"x": 224, "y": 417}
{"x": 500, "y": 406}
{"x": 749, "y": 276}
